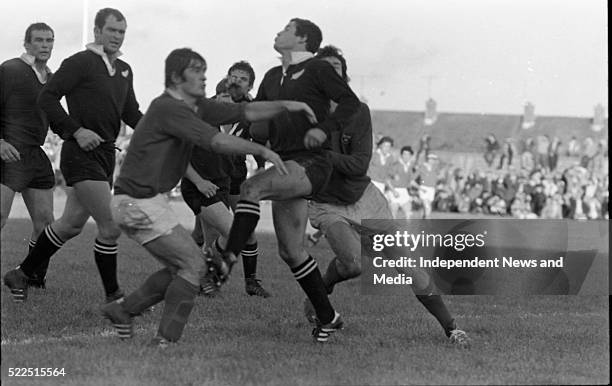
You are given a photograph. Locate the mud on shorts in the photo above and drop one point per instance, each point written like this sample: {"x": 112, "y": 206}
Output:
{"x": 143, "y": 219}
{"x": 32, "y": 171}
{"x": 318, "y": 168}
{"x": 195, "y": 199}
{"x": 371, "y": 205}
{"x": 78, "y": 165}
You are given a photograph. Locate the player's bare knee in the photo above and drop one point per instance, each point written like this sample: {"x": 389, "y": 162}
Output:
{"x": 40, "y": 221}
{"x": 250, "y": 191}
{"x": 109, "y": 232}
{"x": 66, "y": 230}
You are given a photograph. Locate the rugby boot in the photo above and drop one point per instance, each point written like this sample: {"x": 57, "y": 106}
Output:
{"x": 120, "y": 318}
{"x": 17, "y": 281}
{"x": 322, "y": 332}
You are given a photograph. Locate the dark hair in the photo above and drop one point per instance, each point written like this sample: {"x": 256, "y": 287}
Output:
{"x": 334, "y": 52}
{"x": 36, "y": 27}
{"x": 385, "y": 139}
{"x": 178, "y": 60}
{"x": 221, "y": 86}
{"x": 309, "y": 29}
{"x": 408, "y": 149}
{"x": 245, "y": 66}
{"x": 104, "y": 13}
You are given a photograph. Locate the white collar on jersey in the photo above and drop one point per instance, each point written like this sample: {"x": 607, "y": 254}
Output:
{"x": 99, "y": 49}
{"x": 297, "y": 57}
{"x": 300, "y": 56}
{"x": 30, "y": 60}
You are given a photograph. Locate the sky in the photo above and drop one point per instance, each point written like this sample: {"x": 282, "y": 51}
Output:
{"x": 472, "y": 56}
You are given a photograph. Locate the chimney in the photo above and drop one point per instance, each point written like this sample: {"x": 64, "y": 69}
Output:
{"x": 431, "y": 114}
{"x": 598, "y": 118}
{"x": 528, "y": 116}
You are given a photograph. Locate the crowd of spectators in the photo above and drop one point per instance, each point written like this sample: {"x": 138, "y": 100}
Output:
{"x": 521, "y": 179}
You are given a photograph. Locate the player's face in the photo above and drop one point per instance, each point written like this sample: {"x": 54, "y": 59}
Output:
{"x": 194, "y": 80}
{"x": 238, "y": 84}
{"x": 286, "y": 40}
{"x": 335, "y": 62}
{"x": 111, "y": 35}
{"x": 40, "y": 45}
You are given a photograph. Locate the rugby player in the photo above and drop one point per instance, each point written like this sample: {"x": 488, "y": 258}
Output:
{"x": 305, "y": 78}
{"x": 351, "y": 195}
{"x": 99, "y": 93}
{"x": 23, "y": 128}
{"x": 156, "y": 160}
{"x": 216, "y": 183}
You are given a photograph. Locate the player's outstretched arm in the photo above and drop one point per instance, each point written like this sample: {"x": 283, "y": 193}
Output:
{"x": 258, "y": 111}
{"x": 230, "y": 144}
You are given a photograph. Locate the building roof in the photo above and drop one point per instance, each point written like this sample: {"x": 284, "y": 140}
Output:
{"x": 465, "y": 131}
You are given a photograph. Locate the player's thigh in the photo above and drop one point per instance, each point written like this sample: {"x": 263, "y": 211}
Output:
{"x": 217, "y": 216}
{"x": 345, "y": 243}
{"x": 74, "y": 216}
{"x": 270, "y": 185}
{"x": 39, "y": 203}
{"x": 96, "y": 197}
{"x": 290, "y": 219}
{"x": 8, "y": 195}
{"x": 178, "y": 251}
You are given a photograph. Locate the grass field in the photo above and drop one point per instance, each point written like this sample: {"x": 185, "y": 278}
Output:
{"x": 235, "y": 339}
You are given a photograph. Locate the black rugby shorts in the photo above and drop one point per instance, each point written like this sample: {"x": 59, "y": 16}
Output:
{"x": 32, "y": 171}
{"x": 195, "y": 199}
{"x": 78, "y": 165}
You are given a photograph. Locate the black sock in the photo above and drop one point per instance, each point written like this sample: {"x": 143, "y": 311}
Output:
{"x": 179, "y": 300}
{"x": 151, "y": 292}
{"x": 435, "y": 305}
{"x": 106, "y": 261}
{"x": 245, "y": 220}
{"x": 309, "y": 277}
{"x": 249, "y": 260}
{"x": 47, "y": 244}
{"x": 41, "y": 271}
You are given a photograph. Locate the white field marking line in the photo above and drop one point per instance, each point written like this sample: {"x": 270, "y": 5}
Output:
{"x": 525, "y": 315}
{"x": 65, "y": 338}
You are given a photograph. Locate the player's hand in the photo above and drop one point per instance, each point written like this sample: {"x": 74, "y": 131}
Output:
{"x": 271, "y": 156}
{"x": 295, "y": 106}
{"x": 207, "y": 188}
{"x": 224, "y": 97}
{"x": 87, "y": 139}
{"x": 395, "y": 193}
{"x": 314, "y": 138}
{"x": 8, "y": 153}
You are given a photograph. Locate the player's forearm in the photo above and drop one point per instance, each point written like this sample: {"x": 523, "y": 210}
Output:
{"x": 49, "y": 102}
{"x": 193, "y": 176}
{"x": 230, "y": 144}
{"x": 259, "y": 111}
